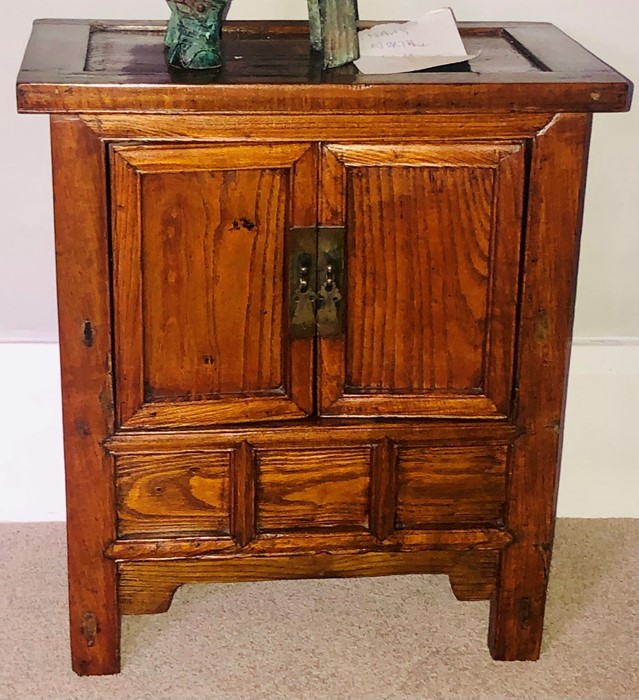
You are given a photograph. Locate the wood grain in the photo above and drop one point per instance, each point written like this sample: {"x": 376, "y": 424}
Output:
{"x": 213, "y": 290}
{"x": 546, "y": 316}
{"x": 431, "y": 155}
{"x": 128, "y": 321}
{"x": 473, "y": 579}
{"x": 214, "y": 411}
{"x": 82, "y": 258}
{"x": 383, "y": 492}
{"x": 247, "y": 128}
{"x": 323, "y": 540}
{"x": 243, "y": 495}
{"x": 195, "y": 158}
{"x": 451, "y": 485}
{"x": 423, "y": 255}
{"x": 279, "y": 75}
{"x": 148, "y": 587}
{"x": 302, "y": 214}
{"x": 472, "y": 94}
{"x": 199, "y": 266}
{"x": 433, "y": 268}
{"x": 173, "y": 495}
{"x": 311, "y": 433}
{"x": 307, "y": 488}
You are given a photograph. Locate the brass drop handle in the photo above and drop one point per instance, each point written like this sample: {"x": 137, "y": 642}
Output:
{"x": 329, "y": 300}
{"x": 305, "y": 278}
{"x": 303, "y": 296}
{"x": 330, "y": 277}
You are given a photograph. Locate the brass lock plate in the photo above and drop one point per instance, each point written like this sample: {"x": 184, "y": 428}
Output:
{"x": 316, "y": 282}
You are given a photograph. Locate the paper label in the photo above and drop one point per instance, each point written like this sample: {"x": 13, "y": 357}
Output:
{"x": 429, "y": 41}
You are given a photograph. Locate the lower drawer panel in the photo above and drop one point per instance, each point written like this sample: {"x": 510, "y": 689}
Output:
{"x": 238, "y": 491}
{"x": 174, "y": 494}
{"x": 316, "y": 487}
{"x": 451, "y": 485}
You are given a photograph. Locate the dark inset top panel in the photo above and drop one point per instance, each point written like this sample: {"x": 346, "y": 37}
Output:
{"x": 268, "y": 66}
{"x": 137, "y": 52}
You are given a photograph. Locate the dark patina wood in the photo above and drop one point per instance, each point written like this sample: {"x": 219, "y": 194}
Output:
{"x": 415, "y": 425}
{"x": 61, "y": 73}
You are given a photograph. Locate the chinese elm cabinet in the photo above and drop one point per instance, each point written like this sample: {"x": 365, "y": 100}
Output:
{"x": 312, "y": 323}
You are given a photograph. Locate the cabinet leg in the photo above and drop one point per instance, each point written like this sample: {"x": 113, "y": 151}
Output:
{"x": 95, "y": 625}
{"x": 545, "y": 325}
{"x": 517, "y": 609}
{"x": 82, "y": 234}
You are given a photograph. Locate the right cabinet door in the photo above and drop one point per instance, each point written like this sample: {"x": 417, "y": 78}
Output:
{"x": 430, "y": 278}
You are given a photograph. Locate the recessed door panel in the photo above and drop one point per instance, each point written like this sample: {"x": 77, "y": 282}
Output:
{"x": 213, "y": 282}
{"x": 200, "y": 283}
{"x": 422, "y": 257}
{"x": 430, "y": 280}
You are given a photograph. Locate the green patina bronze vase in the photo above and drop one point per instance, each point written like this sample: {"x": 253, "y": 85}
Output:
{"x": 333, "y": 28}
{"x": 193, "y": 34}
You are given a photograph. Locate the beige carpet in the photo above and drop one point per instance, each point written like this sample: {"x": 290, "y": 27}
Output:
{"x": 399, "y": 637}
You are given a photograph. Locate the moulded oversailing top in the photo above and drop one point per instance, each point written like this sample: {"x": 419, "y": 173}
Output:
{"x": 109, "y": 66}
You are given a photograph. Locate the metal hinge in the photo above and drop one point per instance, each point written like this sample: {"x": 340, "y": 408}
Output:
{"x": 316, "y": 275}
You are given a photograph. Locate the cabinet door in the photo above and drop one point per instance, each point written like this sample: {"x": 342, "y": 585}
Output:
{"x": 430, "y": 278}
{"x": 200, "y": 283}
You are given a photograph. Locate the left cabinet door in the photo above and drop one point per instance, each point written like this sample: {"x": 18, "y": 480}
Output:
{"x": 200, "y": 234}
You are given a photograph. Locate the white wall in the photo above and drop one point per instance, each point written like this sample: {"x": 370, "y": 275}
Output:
{"x": 608, "y": 293}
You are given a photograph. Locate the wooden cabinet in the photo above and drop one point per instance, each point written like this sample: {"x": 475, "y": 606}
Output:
{"x": 312, "y": 324}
